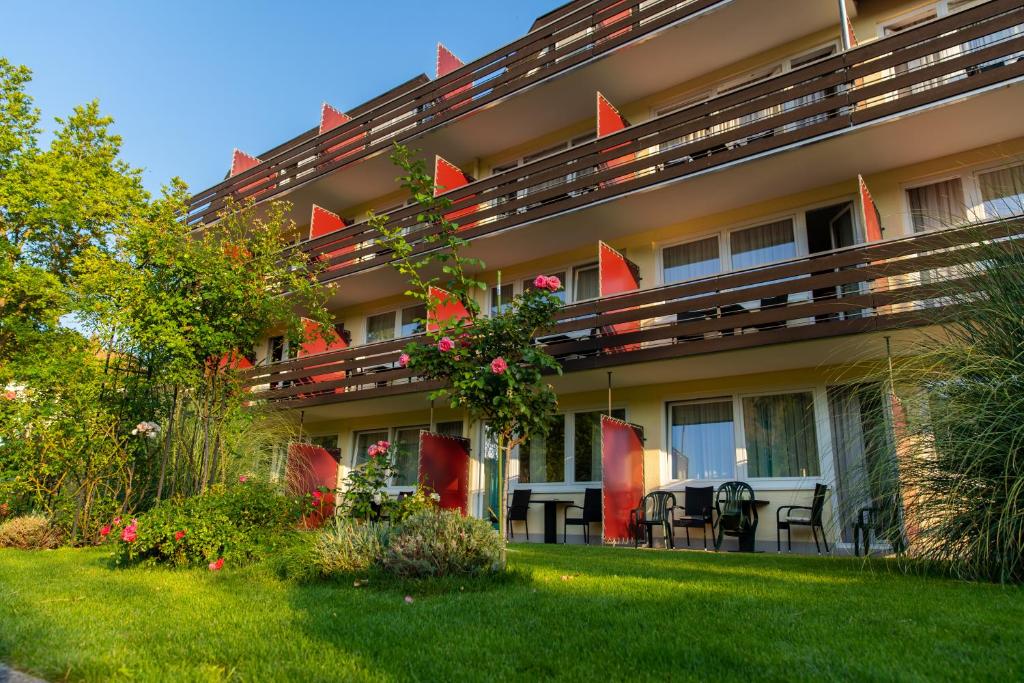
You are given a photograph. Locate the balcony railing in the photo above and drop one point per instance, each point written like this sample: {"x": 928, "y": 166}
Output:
{"x": 887, "y": 285}
{"x": 582, "y": 33}
{"x": 946, "y": 58}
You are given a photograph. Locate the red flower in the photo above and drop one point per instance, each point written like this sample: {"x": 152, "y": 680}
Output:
{"x": 129, "y": 535}
{"x": 403, "y": 360}
{"x": 217, "y": 566}
{"x": 117, "y": 520}
{"x": 318, "y": 498}
{"x": 242, "y": 479}
{"x": 382, "y": 446}
{"x": 540, "y": 282}
{"x": 373, "y": 451}
{"x": 445, "y": 345}
{"x": 105, "y": 531}
{"x": 178, "y": 535}
{"x": 499, "y": 366}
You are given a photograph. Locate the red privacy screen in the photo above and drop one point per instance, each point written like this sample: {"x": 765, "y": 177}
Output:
{"x": 445, "y": 309}
{"x": 310, "y": 467}
{"x": 444, "y": 469}
{"x": 622, "y": 466}
{"x": 617, "y": 275}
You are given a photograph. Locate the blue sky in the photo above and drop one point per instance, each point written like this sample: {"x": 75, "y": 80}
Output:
{"x": 189, "y": 81}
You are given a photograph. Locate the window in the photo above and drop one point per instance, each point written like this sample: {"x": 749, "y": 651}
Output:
{"x": 327, "y": 441}
{"x": 585, "y": 284}
{"x": 380, "y": 327}
{"x": 762, "y": 244}
{"x": 781, "y": 437}
{"x": 412, "y": 320}
{"x": 542, "y": 459}
{"x": 702, "y": 440}
{"x": 936, "y": 206}
{"x": 407, "y": 464}
{"x": 587, "y": 444}
{"x": 1002, "y": 192}
{"x": 691, "y": 260}
{"x": 278, "y": 349}
{"x": 506, "y": 296}
{"x": 452, "y": 428}
{"x": 362, "y": 441}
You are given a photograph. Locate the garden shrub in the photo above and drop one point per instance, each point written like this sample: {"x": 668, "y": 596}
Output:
{"x": 349, "y": 547}
{"x": 29, "y": 532}
{"x": 442, "y": 543}
{"x": 238, "y": 524}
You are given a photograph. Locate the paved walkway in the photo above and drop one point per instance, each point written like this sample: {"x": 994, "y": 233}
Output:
{"x": 8, "y": 675}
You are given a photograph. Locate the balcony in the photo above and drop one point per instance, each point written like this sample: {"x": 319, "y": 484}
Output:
{"x": 899, "y": 100}
{"x": 627, "y": 48}
{"x": 889, "y": 285}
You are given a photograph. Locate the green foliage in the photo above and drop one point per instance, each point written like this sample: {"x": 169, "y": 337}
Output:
{"x": 240, "y": 523}
{"x": 961, "y": 431}
{"x": 421, "y": 500}
{"x": 29, "y": 532}
{"x": 443, "y": 543}
{"x": 349, "y": 547}
{"x": 363, "y": 491}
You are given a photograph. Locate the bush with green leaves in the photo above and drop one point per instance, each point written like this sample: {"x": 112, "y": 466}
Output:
{"x": 238, "y": 524}
{"x": 29, "y": 532}
{"x": 442, "y": 543}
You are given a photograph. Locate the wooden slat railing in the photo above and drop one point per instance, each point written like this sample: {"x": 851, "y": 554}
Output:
{"x": 864, "y": 288}
{"x": 586, "y": 31}
{"x": 946, "y": 58}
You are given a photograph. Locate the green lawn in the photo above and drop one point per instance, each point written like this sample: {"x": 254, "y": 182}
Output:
{"x": 618, "y": 614}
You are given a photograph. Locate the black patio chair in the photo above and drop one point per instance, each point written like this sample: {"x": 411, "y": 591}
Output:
{"x": 519, "y": 511}
{"x": 590, "y": 513}
{"x": 655, "y": 510}
{"x": 736, "y": 511}
{"x": 695, "y": 512}
{"x": 808, "y": 516}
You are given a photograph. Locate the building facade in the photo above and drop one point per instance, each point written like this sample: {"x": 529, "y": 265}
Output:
{"x": 776, "y": 174}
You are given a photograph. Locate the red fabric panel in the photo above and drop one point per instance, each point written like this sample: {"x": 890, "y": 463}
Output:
{"x": 331, "y": 118}
{"x": 609, "y": 121}
{"x": 614, "y": 19}
{"x": 234, "y": 361}
{"x": 310, "y": 467}
{"x": 622, "y": 467}
{"x": 447, "y": 177}
{"x": 617, "y": 275}
{"x": 447, "y": 62}
{"x": 447, "y": 308}
{"x": 314, "y": 344}
{"x": 850, "y": 34}
{"x": 323, "y": 222}
{"x": 444, "y": 469}
{"x": 872, "y": 219}
{"x": 241, "y": 162}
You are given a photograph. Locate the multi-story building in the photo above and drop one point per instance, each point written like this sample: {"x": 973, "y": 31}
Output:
{"x": 775, "y": 171}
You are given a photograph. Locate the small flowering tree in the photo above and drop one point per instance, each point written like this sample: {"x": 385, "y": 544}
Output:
{"x": 490, "y": 365}
{"x": 364, "y": 485}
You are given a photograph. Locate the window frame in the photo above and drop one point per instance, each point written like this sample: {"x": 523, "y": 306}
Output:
{"x": 397, "y": 312}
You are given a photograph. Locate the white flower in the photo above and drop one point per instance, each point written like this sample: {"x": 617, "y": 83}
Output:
{"x": 150, "y": 430}
{"x": 435, "y": 497}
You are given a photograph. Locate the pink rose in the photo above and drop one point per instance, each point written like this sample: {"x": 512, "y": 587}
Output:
{"x": 445, "y": 345}
{"x": 178, "y": 535}
{"x": 129, "y": 535}
{"x": 105, "y": 531}
{"x": 242, "y": 479}
{"x": 403, "y": 360}
{"x": 541, "y": 282}
{"x": 383, "y": 446}
{"x": 373, "y": 451}
{"x": 408, "y": 599}
{"x": 499, "y": 366}
{"x": 10, "y": 395}
{"x": 218, "y": 565}
{"x": 554, "y": 284}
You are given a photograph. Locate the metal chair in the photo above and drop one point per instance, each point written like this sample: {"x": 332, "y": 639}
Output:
{"x": 655, "y": 510}
{"x": 737, "y": 513}
{"x": 695, "y": 512}
{"x": 590, "y": 513}
{"x": 519, "y": 511}
{"x": 785, "y": 519}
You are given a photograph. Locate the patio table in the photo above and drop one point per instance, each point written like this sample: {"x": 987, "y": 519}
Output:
{"x": 551, "y": 517}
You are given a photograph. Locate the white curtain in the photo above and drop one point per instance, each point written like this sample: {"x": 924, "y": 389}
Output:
{"x": 1002, "y": 192}
{"x": 407, "y": 468}
{"x": 762, "y": 244}
{"x": 781, "y": 436}
{"x": 937, "y": 206}
{"x": 691, "y": 260}
{"x": 703, "y": 443}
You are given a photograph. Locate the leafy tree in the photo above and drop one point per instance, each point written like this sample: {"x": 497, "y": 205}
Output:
{"x": 489, "y": 364}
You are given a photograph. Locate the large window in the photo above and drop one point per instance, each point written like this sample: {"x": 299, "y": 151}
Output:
{"x": 404, "y": 323}
{"x": 1002, "y": 192}
{"x": 585, "y": 284}
{"x": 407, "y": 464}
{"x": 542, "y": 458}
{"x": 938, "y": 205}
{"x": 363, "y": 440}
{"x": 587, "y": 444}
{"x": 781, "y": 438}
{"x": 380, "y": 327}
{"x": 702, "y": 440}
{"x": 691, "y": 260}
{"x": 762, "y": 244}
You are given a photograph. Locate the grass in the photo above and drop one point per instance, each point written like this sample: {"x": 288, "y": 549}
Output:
{"x": 569, "y": 613}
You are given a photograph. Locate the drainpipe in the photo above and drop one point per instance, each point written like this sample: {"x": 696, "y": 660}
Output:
{"x": 844, "y": 26}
